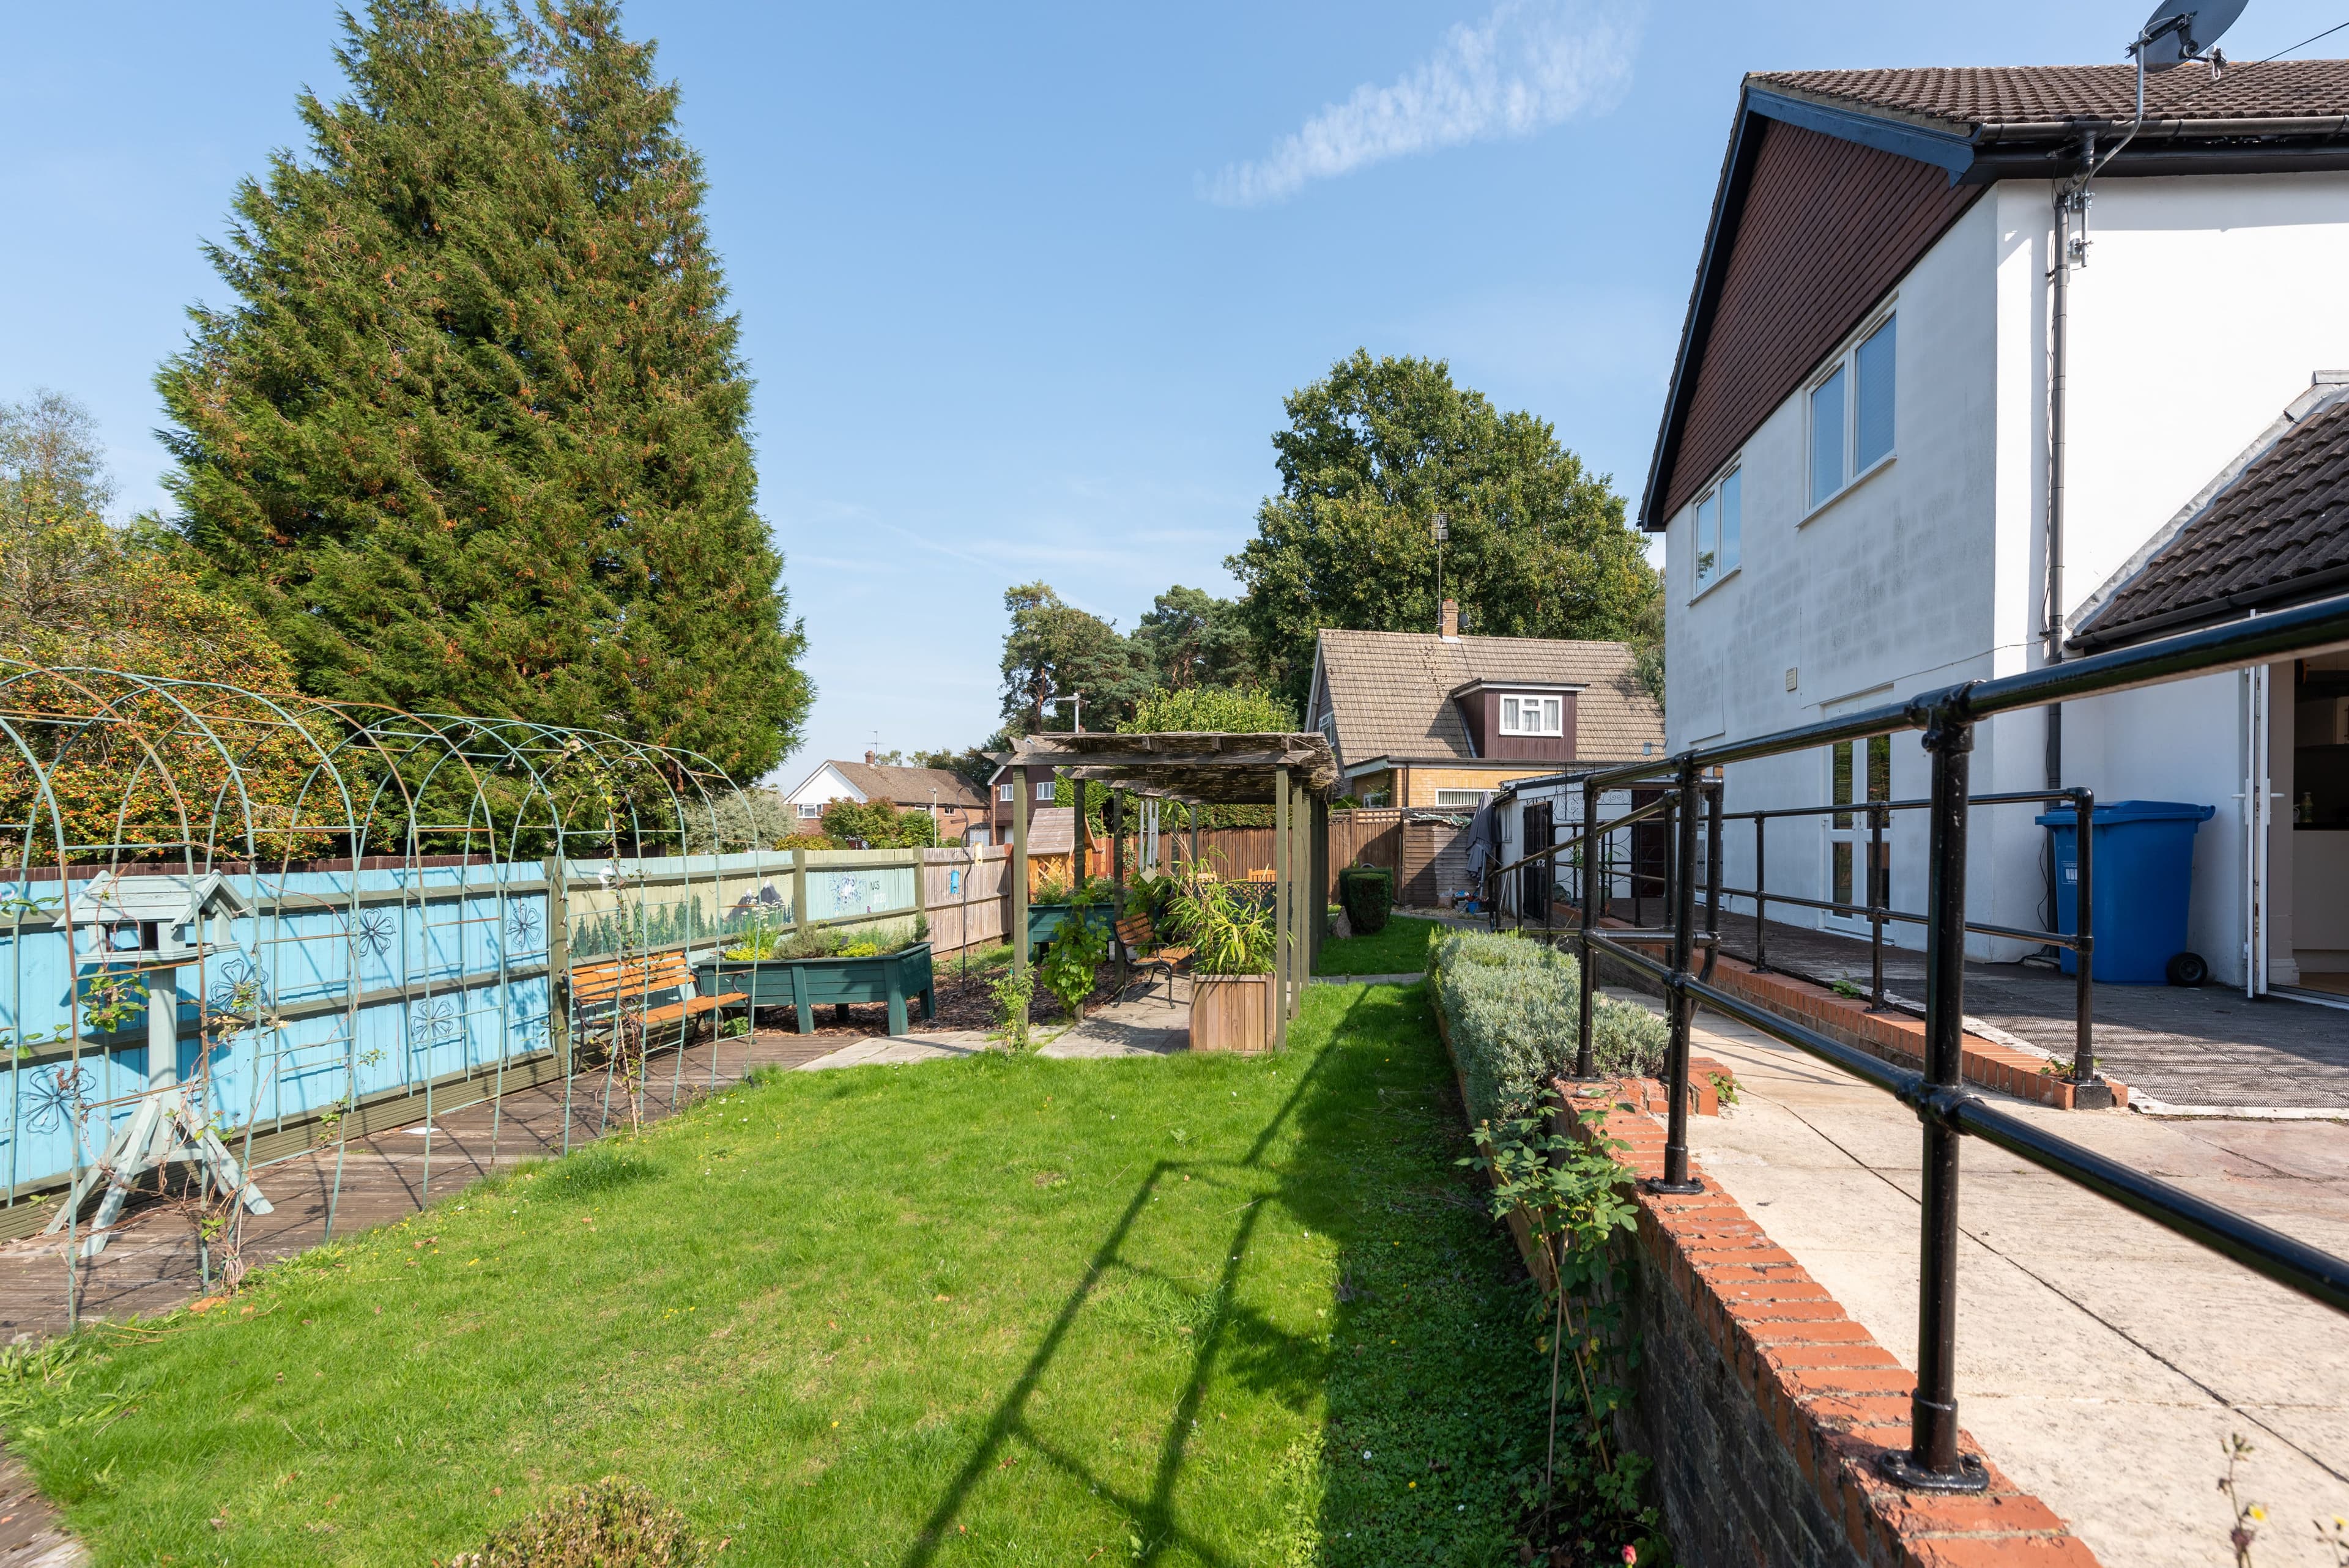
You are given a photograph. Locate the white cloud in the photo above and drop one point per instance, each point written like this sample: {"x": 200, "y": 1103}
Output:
{"x": 1526, "y": 68}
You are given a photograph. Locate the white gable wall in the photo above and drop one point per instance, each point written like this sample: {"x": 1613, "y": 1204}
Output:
{"x": 827, "y": 783}
{"x": 1878, "y": 594}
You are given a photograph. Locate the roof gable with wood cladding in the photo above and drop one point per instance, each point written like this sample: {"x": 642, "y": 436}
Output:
{"x": 1836, "y": 182}
{"x": 1416, "y": 697}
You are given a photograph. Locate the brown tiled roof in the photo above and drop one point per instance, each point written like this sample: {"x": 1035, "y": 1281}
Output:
{"x": 910, "y": 786}
{"x": 2278, "y": 533}
{"x": 1390, "y": 692}
{"x": 1969, "y": 96}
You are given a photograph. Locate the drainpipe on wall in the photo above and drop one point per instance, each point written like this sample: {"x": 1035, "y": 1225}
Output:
{"x": 2071, "y": 201}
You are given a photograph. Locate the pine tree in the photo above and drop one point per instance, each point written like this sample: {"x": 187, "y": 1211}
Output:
{"x": 473, "y": 438}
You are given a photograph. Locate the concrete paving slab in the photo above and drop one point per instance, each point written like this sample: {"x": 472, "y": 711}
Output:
{"x": 902, "y": 1050}
{"x": 2103, "y": 1361}
{"x": 1145, "y": 1022}
{"x": 2209, "y": 1045}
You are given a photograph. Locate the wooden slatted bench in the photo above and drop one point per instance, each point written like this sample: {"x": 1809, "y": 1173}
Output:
{"x": 603, "y": 993}
{"x": 1141, "y": 940}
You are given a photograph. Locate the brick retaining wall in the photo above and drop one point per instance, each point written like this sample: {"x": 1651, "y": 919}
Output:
{"x": 1765, "y": 1407}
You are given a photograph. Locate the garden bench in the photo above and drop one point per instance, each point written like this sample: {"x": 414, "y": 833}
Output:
{"x": 1141, "y": 940}
{"x": 604, "y": 992}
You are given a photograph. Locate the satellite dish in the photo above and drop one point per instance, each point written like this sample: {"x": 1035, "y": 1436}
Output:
{"x": 2179, "y": 30}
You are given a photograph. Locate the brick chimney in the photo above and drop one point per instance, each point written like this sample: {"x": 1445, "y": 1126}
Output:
{"x": 1451, "y": 625}
{"x": 872, "y": 757}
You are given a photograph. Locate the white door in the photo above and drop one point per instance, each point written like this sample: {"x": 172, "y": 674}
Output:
{"x": 1858, "y": 771}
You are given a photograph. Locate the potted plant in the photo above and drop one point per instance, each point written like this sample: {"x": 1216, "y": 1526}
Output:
{"x": 1231, "y": 942}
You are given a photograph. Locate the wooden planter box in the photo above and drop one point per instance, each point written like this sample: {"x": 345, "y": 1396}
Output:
{"x": 1044, "y": 921}
{"x": 804, "y": 985}
{"x": 1232, "y": 1013}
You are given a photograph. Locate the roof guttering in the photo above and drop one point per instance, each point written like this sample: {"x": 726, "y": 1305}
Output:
{"x": 1974, "y": 154}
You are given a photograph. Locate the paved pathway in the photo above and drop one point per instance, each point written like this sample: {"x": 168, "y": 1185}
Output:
{"x": 2102, "y": 1360}
{"x": 1148, "y": 1021}
{"x": 2202, "y": 1047}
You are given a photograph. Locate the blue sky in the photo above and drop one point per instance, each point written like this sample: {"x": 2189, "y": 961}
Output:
{"x": 1023, "y": 286}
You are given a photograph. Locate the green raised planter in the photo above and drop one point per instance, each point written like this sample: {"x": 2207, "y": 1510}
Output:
{"x": 1044, "y": 920}
{"x": 804, "y": 985}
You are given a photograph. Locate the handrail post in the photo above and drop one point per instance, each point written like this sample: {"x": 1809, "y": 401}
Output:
{"x": 1713, "y": 793}
{"x": 1682, "y": 888}
{"x": 1591, "y": 847}
{"x": 1761, "y": 895}
{"x": 2087, "y": 1092}
{"x": 1878, "y": 897}
{"x": 1932, "y": 1462}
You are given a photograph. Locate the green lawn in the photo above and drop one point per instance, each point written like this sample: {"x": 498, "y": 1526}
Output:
{"x": 1401, "y": 948}
{"x": 1198, "y": 1310}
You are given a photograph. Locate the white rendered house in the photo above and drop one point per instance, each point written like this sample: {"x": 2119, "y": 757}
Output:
{"x": 1854, "y": 471}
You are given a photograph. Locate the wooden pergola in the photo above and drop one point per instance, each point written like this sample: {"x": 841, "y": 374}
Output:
{"x": 1296, "y": 774}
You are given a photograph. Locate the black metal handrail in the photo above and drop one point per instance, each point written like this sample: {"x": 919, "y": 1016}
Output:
{"x": 2080, "y": 941}
{"x": 1946, "y": 1109}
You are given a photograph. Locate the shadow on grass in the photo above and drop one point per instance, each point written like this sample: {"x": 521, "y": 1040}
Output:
{"x": 1378, "y": 1128}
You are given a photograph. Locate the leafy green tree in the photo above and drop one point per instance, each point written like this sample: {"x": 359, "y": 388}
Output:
{"x": 1372, "y": 451}
{"x": 52, "y": 463}
{"x": 474, "y": 435}
{"x": 972, "y": 762}
{"x": 878, "y": 825}
{"x": 1056, "y": 650}
{"x": 1191, "y": 638}
{"x": 1233, "y": 710}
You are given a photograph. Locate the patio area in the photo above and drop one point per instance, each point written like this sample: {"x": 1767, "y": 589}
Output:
{"x": 2182, "y": 1051}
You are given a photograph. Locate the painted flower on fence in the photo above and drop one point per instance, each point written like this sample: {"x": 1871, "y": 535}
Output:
{"x": 376, "y": 929}
{"x": 239, "y": 988}
{"x": 432, "y": 1021}
{"x": 58, "y": 1099}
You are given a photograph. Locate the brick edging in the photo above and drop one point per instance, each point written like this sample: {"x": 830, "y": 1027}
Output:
{"x": 1899, "y": 1038}
{"x": 1896, "y": 1037}
{"x": 1834, "y": 1398}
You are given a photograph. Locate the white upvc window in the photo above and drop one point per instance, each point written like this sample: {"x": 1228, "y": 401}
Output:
{"x": 1044, "y": 790}
{"x": 1532, "y": 714}
{"x": 811, "y": 808}
{"x": 1003, "y": 792}
{"x": 1851, "y": 414}
{"x": 1720, "y": 525}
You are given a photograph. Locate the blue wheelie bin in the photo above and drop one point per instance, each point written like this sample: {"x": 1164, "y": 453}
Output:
{"x": 2144, "y": 873}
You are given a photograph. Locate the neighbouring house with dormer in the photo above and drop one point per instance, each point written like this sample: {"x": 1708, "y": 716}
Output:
{"x": 1932, "y": 420}
{"x": 1439, "y": 719}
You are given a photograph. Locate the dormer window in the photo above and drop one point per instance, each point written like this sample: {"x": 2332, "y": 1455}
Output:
{"x": 1530, "y": 714}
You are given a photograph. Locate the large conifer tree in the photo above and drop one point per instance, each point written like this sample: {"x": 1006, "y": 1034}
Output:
{"x": 473, "y": 438}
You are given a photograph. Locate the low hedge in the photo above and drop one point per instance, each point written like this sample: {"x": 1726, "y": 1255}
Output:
{"x": 1366, "y": 894}
{"x": 1512, "y": 1007}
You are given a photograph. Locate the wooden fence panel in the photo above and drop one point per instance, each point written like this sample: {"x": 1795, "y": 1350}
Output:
{"x": 1435, "y": 866}
{"x": 968, "y": 899}
{"x": 1360, "y": 837}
